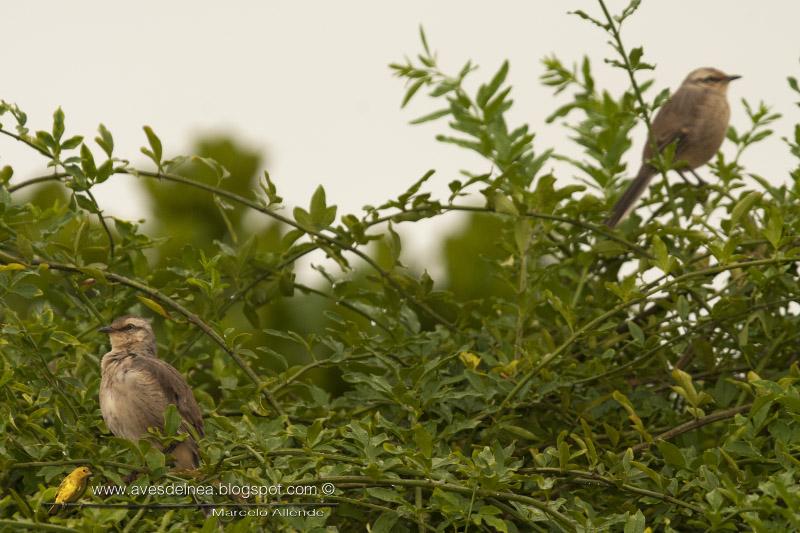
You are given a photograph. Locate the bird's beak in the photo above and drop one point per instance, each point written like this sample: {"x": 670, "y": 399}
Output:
{"x": 106, "y": 329}
{"x": 733, "y": 77}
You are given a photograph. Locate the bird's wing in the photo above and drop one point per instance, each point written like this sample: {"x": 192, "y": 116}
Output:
{"x": 672, "y": 122}
{"x": 173, "y": 389}
{"x": 61, "y": 493}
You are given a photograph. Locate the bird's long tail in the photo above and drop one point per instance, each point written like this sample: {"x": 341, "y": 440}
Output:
{"x": 629, "y": 197}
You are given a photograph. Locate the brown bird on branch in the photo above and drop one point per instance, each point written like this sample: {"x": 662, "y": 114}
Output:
{"x": 136, "y": 387}
{"x": 695, "y": 118}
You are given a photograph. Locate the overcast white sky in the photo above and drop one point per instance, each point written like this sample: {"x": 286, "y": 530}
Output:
{"x": 308, "y": 82}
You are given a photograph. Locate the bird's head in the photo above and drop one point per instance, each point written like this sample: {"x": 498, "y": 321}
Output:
{"x": 130, "y": 330}
{"x": 82, "y": 472}
{"x": 710, "y": 79}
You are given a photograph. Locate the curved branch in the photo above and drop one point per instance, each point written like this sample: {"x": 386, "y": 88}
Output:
{"x": 528, "y": 214}
{"x": 581, "y": 474}
{"x": 26, "y": 141}
{"x": 33, "y": 181}
{"x": 166, "y": 176}
{"x": 344, "y": 303}
{"x": 316, "y": 364}
{"x": 694, "y": 424}
{"x": 392, "y": 218}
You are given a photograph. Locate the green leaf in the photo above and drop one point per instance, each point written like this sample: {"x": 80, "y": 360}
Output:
{"x": 393, "y": 243}
{"x": 662, "y": 258}
{"x": 412, "y": 90}
{"x": 423, "y": 440}
{"x": 5, "y": 174}
{"x": 87, "y": 162}
{"x": 503, "y": 204}
{"x": 636, "y": 332}
{"x": 270, "y": 190}
{"x": 153, "y": 306}
{"x": 431, "y": 116}
{"x": 385, "y": 523}
{"x": 321, "y": 215}
{"x": 72, "y": 142}
{"x": 635, "y": 57}
{"x": 302, "y": 217}
{"x": 635, "y": 523}
{"x": 565, "y": 311}
{"x": 156, "y": 151}
{"x": 62, "y": 337}
{"x": 487, "y": 91}
{"x": 523, "y": 230}
{"x": 386, "y": 495}
{"x": 105, "y": 140}
{"x": 774, "y": 228}
{"x": 58, "y": 125}
{"x": 172, "y": 420}
{"x": 743, "y": 206}
{"x": 671, "y": 453}
{"x": 85, "y": 202}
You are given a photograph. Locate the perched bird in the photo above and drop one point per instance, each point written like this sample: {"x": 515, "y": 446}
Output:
{"x": 695, "y": 118}
{"x": 71, "y": 488}
{"x": 136, "y": 387}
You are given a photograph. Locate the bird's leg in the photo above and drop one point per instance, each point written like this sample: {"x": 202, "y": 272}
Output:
{"x": 700, "y": 181}
{"x": 683, "y": 176}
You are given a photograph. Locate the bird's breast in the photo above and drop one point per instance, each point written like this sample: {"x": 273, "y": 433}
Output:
{"x": 707, "y": 132}
{"x": 121, "y": 391}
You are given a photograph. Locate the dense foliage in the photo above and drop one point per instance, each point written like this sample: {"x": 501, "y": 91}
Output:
{"x": 565, "y": 376}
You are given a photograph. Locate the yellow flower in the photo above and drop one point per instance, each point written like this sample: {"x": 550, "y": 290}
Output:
{"x": 470, "y": 360}
{"x": 72, "y": 487}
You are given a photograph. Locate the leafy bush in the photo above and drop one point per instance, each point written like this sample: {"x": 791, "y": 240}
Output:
{"x": 580, "y": 379}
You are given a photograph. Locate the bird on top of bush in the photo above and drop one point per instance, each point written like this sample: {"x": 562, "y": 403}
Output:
{"x": 71, "y": 488}
{"x": 136, "y": 387}
{"x": 695, "y": 118}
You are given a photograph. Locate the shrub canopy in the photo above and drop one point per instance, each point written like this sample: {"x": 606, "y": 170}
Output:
{"x": 564, "y": 377}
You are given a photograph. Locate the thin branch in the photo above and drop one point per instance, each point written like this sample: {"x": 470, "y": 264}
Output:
{"x": 103, "y": 223}
{"x": 318, "y": 234}
{"x": 392, "y": 218}
{"x": 26, "y": 141}
{"x": 694, "y": 424}
{"x": 33, "y": 181}
{"x": 638, "y": 92}
{"x": 582, "y": 474}
{"x": 316, "y": 364}
{"x": 16, "y": 525}
{"x": 67, "y": 462}
{"x": 529, "y": 214}
{"x": 344, "y": 303}
{"x": 166, "y": 176}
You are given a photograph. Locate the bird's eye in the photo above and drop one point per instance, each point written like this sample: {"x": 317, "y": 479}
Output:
{"x": 129, "y": 327}
{"x": 710, "y": 79}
